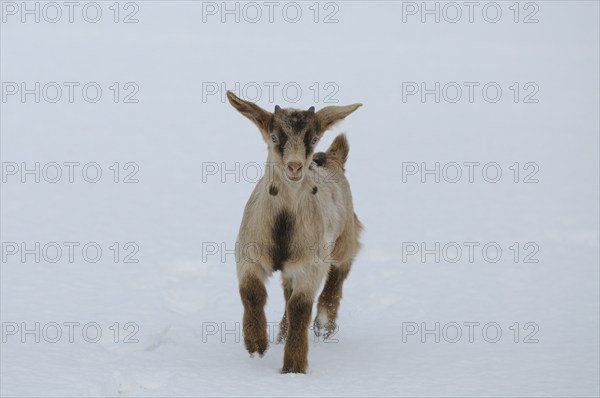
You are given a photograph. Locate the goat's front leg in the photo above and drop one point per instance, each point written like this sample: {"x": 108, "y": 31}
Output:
{"x": 295, "y": 357}
{"x": 254, "y": 298}
{"x": 298, "y": 311}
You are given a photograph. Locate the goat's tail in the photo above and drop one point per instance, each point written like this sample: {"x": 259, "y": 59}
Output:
{"x": 338, "y": 150}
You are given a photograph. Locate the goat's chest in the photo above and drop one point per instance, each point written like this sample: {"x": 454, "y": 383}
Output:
{"x": 290, "y": 230}
{"x": 295, "y": 236}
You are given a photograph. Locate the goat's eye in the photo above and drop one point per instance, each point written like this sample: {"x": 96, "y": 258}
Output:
{"x": 315, "y": 140}
{"x": 274, "y": 138}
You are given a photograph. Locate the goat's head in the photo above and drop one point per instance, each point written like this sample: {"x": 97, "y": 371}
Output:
{"x": 291, "y": 134}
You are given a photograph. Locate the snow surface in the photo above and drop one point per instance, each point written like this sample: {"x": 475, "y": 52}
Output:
{"x": 177, "y": 299}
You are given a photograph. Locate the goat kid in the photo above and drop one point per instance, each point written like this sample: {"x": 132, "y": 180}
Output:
{"x": 301, "y": 218}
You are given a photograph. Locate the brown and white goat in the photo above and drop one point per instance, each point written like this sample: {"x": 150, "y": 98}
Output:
{"x": 301, "y": 218}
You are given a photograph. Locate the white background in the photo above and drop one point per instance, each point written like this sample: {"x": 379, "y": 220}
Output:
{"x": 177, "y": 293}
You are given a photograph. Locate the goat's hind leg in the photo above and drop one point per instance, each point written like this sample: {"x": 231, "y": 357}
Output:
{"x": 283, "y": 325}
{"x": 329, "y": 300}
{"x": 346, "y": 248}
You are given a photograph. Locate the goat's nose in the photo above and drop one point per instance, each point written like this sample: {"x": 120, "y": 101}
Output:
{"x": 294, "y": 167}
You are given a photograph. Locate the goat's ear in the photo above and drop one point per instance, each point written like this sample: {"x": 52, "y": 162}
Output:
{"x": 255, "y": 113}
{"x": 330, "y": 115}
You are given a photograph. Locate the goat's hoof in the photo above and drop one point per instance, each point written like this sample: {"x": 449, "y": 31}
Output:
{"x": 317, "y": 328}
{"x": 259, "y": 355}
{"x": 326, "y": 329}
{"x": 257, "y": 346}
{"x": 293, "y": 369}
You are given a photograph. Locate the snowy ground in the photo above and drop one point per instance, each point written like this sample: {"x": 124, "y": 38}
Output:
{"x": 177, "y": 309}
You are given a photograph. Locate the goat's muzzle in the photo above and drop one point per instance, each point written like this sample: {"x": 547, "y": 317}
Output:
{"x": 294, "y": 171}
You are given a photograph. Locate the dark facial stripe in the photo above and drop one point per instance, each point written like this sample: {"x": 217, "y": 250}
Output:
{"x": 282, "y": 140}
{"x": 308, "y": 136}
{"x": 282, "y": 233}
{"x": 281, "y": 136}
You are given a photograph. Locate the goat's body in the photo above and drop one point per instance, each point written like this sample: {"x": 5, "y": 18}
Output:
{"x": 316, "y": 213}
{"x": 299, "y": 220}
{"x": 307, "y": 232}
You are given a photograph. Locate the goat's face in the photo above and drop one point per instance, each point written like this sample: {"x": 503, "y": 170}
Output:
{"x": 291, "y": 134}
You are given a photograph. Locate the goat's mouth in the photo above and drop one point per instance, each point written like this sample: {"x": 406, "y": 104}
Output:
{"x": 293, "y": 178}
{"x": 294, "y": 171}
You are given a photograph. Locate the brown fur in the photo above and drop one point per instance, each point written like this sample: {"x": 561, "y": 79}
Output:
{"x": 254, "y": 298}
{"x": 295, "y": 357}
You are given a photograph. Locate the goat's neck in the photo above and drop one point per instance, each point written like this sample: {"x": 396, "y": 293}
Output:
{"x": 288, "y": 189}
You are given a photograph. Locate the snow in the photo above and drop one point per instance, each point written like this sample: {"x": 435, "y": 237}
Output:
{"x": 181, "y": 302}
